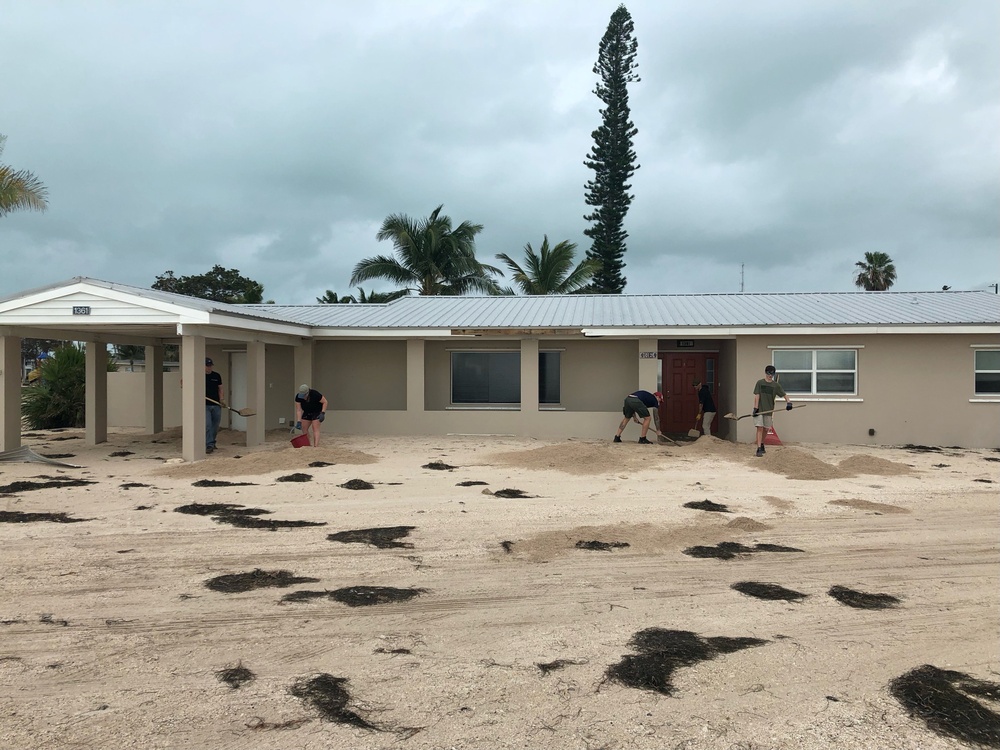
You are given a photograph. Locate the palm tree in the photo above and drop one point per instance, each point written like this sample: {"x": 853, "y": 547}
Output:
{"x": 551, "y": 271}
{"x": 432, "y": 257}
{"x": 19, "y": 188}
{"x": 876, "y": 273}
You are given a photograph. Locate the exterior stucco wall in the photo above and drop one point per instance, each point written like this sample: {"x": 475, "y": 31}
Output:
{"x": 361, "y": 375}
{"x": 911, "y": 389}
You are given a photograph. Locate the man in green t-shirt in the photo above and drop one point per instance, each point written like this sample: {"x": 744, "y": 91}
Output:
{"x": 764, "y": 393}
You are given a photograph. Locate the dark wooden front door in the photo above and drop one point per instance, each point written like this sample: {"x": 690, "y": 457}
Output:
{"x": 679, "y": 370}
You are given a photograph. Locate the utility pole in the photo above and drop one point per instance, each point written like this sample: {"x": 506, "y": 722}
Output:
{"x": 741, "y": 278}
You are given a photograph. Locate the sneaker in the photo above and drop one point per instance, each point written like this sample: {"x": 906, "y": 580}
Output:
{"x": 209, "y": 449}
{"x": 618, "y": 439}
{"x": 760, "y": 451}
{"x": 644, "y": 441}
{"x": 762, "y": 448}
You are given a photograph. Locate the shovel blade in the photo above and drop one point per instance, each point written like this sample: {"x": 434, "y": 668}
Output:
{"x": 247, "y": 413}
{"x": 694, "y": 433}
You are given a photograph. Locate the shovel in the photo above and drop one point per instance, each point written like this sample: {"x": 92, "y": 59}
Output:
{"x": 241, "y": 412}
{"x": 730, "y": 415}
{"x": 694, "y": 432}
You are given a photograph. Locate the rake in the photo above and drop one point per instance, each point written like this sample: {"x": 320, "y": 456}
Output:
{"x": 730, "y": 415}
{"x": 241, "y": 412}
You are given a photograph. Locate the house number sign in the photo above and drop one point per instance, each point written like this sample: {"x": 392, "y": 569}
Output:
{"x": 81, "y": 309}
{"x": 647, "y": 355}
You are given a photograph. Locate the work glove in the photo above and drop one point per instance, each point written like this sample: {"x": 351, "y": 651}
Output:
{"x": 322, "y": 416}
{"x": 756, "y": 412}
{"x": 298, "y": 425}
{"x": 788, "y": 406}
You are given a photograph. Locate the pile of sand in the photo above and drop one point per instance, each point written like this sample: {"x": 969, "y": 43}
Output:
{"x": 861, "y": 464}
{"x": 859, "y": 504}
{"x": 796, "y": 464}
{"x": 578, "y": 457}
{"x": 747, "y": 524}
{"x": 643, "y": 539}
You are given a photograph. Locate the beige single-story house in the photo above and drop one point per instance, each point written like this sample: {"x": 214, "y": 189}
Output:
{"x": 887, "y": 368}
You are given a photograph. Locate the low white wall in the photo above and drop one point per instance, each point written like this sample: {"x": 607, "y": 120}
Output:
{"x": 127, "y": 399}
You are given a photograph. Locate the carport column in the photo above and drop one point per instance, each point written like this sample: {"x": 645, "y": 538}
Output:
{"x": 193, "y": 398}
{"x": 529, "y": 383}
{"x": 10, "y": 392}
{"x": 414, "y": 381}
{"x": 303, "y": 367}
{"x": 96, "y": 414}
{"x": 256, "y": 393}
{"x": 154, "y": 389}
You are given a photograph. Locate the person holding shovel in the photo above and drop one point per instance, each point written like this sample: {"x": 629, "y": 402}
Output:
{"x": 638, "y": 405}
{"x": 706, "y": 408}
{"x": 213, "y": 411}
{"x": 764, "y": 394}
{"x": 310, "y": 411}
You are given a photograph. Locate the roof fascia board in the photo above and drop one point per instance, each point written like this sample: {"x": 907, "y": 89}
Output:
{"x": 238, "y": 334}
{"x": 223, "y": 320}
{"x": 792, "y": 330}
{"x": 395, "y": 333}
{"x": 65, "y": 334}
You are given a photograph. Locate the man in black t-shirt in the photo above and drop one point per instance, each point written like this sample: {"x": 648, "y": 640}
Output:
{"x": 706, "y": 408}
{"x": 638, "y": 404}
{"x": 213, "y": 411}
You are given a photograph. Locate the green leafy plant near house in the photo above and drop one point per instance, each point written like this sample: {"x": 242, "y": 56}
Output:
{"x": 58, "y": 397}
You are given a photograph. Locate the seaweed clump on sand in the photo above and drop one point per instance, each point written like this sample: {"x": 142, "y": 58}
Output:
{"x": 770, "y": 591}
{"x": 662, "y": 652}
{"x": 220, "y": 483}
{"x": 730, "y": 550}
{"x": 53, "y": 483}
{"x": 601, "y": 546}
{"x": 16, "y": 516}
{"x": 862, "y": 600}
{"x": 329, "y": 696}
{"x": 438, "y": 466}
{"x": 236, "y": 677}
{"x": 238, "y": 583}
{"x": 708, "y": 505}
{"x": 384, "y": 537}
{"x": 357, "y": 484}
{"x": 367, "y": 596}
{"x": 511, "y": 494}
{"x": 950, "y": 704}
{"x": 296, "y": 477}
{"x": 219, "y": 509}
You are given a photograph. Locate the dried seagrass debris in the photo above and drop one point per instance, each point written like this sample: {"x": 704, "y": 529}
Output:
{"x": 357, "y": 484}
{"x": 237, "y": 583}
{"x": 16, "y": 516}
{"x": 220, "y": 483}
{"x": 383, "y": 537}
{"x": 367, "y": 596}
{"x": 601, "y": 546}
{"x": 775, "y": 548}
{"x": 319, "y": 464}
{"x": 508, "y": 546}
{"x": 250, "y": 522}
{"x": 58, "y": 455}
{"x": 296, "y": 477}
{"x": 133, "y": 485}
{"x": 257, "y": 724}
{"x": 328, "y": 695}
{"x": 951, "y": 704}
{"x": 236, "y": 676}
{"x": 53, "y": 483}
{"x": 662, "y": 652}
{"x": 48, "y": 619}
{"x": 122, "y": 453}
{"x": 470, "y": 483}
{"x": 511, "y": 493}
{"x": 552, "y": 666}
{"x": 220, "y": 509}
{"x": 730, "y": 550}
{"x": 770, "y": 591}
{"x": 438, "y": 466}
{"x": 862, "y": 600}
{"x": 709, "y": 506}
{"x": 392, "y": 651}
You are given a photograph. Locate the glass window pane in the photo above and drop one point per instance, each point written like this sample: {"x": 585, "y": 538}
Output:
{"x": 834, "y": 382}
{"x": 469, "y": 378}
{"x": 793, "y": 360}
{"x": 988, "y": 382}
{"x": 988, "y": 360}
{"x": 797, "y": 382}
{"x": 505, "y": 377}
{"x": 831, "y": 359}
{"x": 548, "y": 378}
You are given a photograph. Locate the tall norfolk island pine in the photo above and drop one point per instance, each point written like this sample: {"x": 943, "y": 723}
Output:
{"x": 612, "y": 157}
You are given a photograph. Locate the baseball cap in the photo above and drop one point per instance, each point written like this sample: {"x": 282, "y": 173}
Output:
{"x": 208, "y": 361}
{"x": 659, "y": 396}
{"x": 769, "y": 370}
{"x": 303, "y": 388}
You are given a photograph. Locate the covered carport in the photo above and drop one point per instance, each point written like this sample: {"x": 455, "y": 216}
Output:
{"x": 100, "y": 313}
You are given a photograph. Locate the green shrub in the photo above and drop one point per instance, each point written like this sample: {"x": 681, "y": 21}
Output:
{"x": 58, "y": 397}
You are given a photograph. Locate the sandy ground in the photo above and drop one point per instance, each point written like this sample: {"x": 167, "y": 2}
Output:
{"x": 109, "y": 637}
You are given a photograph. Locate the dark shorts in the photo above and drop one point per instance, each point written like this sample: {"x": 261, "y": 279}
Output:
{"x": 311, "y": 416}
{"x": 634, "y": 406}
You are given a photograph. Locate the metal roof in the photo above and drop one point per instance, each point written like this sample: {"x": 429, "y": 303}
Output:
{"x": 654, "y": 311}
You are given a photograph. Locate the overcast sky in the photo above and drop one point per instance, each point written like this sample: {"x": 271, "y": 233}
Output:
{"x": 786, "y": 137}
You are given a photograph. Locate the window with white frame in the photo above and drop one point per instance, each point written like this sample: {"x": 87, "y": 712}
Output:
{"x": 549, "y": 377}
{"x": 818, "y": 372}
{"x": 987, "y": 372}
